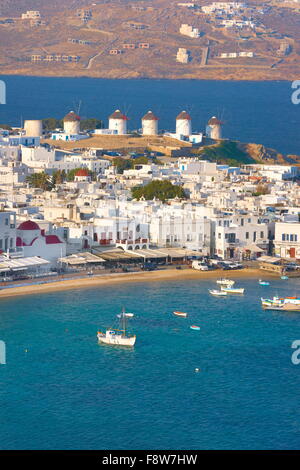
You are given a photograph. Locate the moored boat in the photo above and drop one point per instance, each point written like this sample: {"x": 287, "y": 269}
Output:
{"x": 285, "y": 278}
{"x": 233, "y": 290}
{"x": 117, "y": 337}
{"x": 263, "y": 283}
{"x": 217, "y": 293}
{"x": 291, "y": 304}
{"x": 225, "y": 282}
{"x": 180, "y": 314}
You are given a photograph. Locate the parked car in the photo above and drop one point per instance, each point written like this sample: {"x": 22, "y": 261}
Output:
{"x": 199, "y": 266}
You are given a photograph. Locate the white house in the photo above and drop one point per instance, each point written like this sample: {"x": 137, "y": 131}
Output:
{"x": 7, "y": 231}
{"x": 287, "y": 239}
{"x": 240, "y": 236}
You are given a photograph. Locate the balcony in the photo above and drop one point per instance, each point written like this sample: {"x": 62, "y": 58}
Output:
{"x": 232, "y": 242}
{"x": 136, "y": 244}
{"x": 105, "y": 242}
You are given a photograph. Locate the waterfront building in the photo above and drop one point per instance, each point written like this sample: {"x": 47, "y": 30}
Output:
{"x": 33, "y": 241}
{"x": 240, "y": 236}
{"x": 7, "y": 231}
{"x": 287, "y": 239}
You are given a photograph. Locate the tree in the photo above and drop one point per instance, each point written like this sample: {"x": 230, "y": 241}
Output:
{"x": 40, "y": 180}
{"x": 59, "y": 177}
{"x": 122, "y": 164}
{"x": 6, "y": 127}
{"x": 157, "y": 189}
{"x": 50, "y": 124}
{"x": 89, "y": 124}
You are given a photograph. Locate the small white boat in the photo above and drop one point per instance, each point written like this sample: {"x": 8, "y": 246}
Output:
{"x": 232, "y": 290}
{"x": 285, "y": 278}
{"x": 263, "y": 283}
{"x": 117, "y": 337}
{"x": 195, "y": 327}
{"x": 180, "y": 314}
{"x": 217, "y": 293}
{"x": 225, "y": 282}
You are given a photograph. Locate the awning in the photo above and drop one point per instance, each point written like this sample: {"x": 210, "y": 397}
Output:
{"x": 81, "y": 258}
{"x": 119, "y": 255}
{"x": 269, "y": 259}
{"x": 22, "y": 263}
{"x": 254, "y": 248}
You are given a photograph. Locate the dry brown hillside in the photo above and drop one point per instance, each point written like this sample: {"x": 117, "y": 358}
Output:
{"x": 141, "y": 38}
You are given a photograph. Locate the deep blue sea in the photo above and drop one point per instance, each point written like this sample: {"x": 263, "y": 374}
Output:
{"x": 260, "y": 112}
{"x": 60, "y": 389}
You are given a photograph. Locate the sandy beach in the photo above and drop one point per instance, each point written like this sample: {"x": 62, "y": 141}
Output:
{"x": 120, "y": 278}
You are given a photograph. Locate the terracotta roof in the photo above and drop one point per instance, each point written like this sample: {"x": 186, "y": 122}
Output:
{"x": 150, "y": 117}
{"x": 183, "y": 115}
{"x": 214, "y": 121}
{"x": 82, "y": 172}
{"x": 118, "y": 115}
{"x": 28, "y": 225}
{"x": 71, "y": 117}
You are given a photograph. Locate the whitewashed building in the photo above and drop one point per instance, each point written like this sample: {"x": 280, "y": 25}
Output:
{"x": 240, "y": 236}
{"x": 7, "y": 231}
{"x": 287, "y": 239}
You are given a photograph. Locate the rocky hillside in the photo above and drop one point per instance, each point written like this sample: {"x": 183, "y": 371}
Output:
{"x": 237, "y": 153}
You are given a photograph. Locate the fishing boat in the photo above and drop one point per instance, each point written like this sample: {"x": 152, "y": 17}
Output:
{"x": 180, "y": 314}
{"x": 217, "y": 293}
{"x": 117, "y": 337}
{"x": 290, "y": 304}
{"x": 225, "y": 282}
{"x": 232, "y": 290}
{"x": 195, "y": 327}
{"x": 263, "y": 283}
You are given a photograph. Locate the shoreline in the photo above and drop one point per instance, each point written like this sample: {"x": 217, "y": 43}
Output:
{"x": 225, "y": 79}
{"x": 120, "y": 278}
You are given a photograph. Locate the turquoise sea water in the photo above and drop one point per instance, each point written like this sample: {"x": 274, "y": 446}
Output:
{"x": 61, "y": 390}
{"x": 260, "y": 112}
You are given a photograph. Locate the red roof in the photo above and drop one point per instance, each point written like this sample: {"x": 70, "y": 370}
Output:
{"x": 214, "y": 121}
{"x": 28, "y": 225}
{"x": 184, "y": 115}
{"x": 71, "y": 117}
{"x": 52, "y": 239}
{"x": 150, "y": 117}
{"x": 82, "y": 172}
{"x": 118, "y": 115}
{"x": 19, "y": 242}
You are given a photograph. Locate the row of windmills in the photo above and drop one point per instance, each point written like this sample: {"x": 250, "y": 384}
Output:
{"x": 117, "y": 125}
